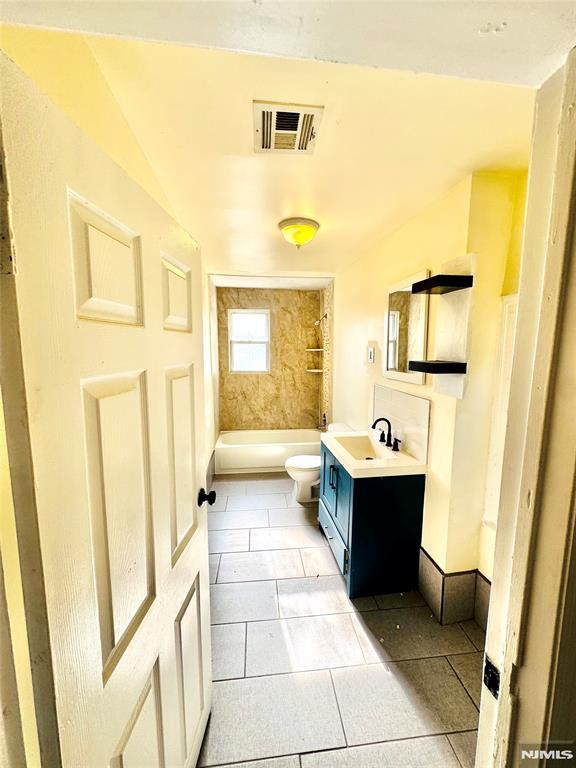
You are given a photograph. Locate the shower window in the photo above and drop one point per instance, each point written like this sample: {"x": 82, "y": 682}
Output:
{"x": 249, "y": 340}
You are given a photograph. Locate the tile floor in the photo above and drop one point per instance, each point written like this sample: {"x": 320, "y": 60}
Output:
{"x": 306, "y": 678}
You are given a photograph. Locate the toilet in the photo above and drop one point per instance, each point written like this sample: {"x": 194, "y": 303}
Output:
{"x": 305, "y": 470}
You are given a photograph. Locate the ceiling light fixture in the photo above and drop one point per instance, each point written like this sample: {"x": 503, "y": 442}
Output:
{"x": 298, "y": 231}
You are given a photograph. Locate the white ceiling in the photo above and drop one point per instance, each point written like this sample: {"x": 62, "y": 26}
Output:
{"x": 508, "y": 42}
{"x": 255, "y": 281}
{"x": 390, "y": 142}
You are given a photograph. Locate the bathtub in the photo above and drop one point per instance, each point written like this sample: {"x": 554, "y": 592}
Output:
{"x": 263, "y": 450}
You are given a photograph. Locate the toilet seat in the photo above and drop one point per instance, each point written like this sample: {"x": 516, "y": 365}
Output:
{"x": 304, "y": 462}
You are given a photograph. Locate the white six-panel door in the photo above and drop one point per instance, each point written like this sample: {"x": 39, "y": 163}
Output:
{"x": 109, "y": 304}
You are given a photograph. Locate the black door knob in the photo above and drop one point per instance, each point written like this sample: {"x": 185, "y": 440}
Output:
{"x": 203, "y": 496}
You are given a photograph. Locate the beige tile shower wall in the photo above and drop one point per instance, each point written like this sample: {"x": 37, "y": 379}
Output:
{"x": 326, "y": 306}
{"x": 288, "y": 397}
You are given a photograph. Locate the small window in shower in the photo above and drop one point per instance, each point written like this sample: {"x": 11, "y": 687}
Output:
{"x": 249, "y": 340}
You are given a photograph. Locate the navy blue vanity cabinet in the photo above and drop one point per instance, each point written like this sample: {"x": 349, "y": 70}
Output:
{"x": 327, "y": 486}
{"x": 373, "y": 526}
{"x": 336, "y": 492}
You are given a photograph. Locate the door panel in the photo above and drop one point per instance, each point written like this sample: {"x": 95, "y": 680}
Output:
{"x": 176, "y": 294}
{"x": 141, "y": 745}
{"x": 182, "y": 456}
{"x": 109, "y": 305}
{"x": 118, "y": 481}
{"x": 189, "y": 654}
{"x": 107, "y": 265}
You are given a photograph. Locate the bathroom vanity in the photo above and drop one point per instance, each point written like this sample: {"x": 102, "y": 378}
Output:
{"x": 370, "y": 510}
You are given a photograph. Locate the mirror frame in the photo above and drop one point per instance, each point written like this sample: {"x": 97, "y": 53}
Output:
{"x": 412, "y": 377}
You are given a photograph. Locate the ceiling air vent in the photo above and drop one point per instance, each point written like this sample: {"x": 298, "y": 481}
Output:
{"x": 285, "y": 127}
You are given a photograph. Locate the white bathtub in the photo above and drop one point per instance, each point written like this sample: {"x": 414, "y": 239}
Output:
{"x": 263, "y": 450}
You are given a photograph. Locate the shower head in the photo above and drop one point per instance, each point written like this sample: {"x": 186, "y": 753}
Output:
{"x": 324, "y": 316}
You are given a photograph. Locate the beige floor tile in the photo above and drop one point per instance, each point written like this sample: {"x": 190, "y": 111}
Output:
{"x": 276, "y": 485}
{"x": 261, "y": 566}
{"x": 276, "y": 762}
{"x": 256, "y": 501}
{"x": 383, "y": 702}
{"x": 468, "y": 667}
{"x": 228, "y": 541}
{"x": 313, "y": 597}
{"x": 246, "y": 601}
{"x": 294, "y": 516}
{"x": 297, "y": 645}
{"x": 426, "y": 752}
{"x": 291, "y": 501}
{"x": 269, "y": 716}
{"x": 230, "y": 487}
{"x": 222, "y": 521}
{"x": 220, "y": 503}
{"x": 228, "y": 651}
{"x": 475, "y": 633}
{"x": 291, "y": 537}
{"x": 465, "y": 747}
{"x": 319, "y": 561}
{"x": 399, "y": 600}
{"x": 408, "y": 633}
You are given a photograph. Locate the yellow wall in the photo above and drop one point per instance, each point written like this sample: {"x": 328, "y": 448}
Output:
{"x": 64, "y": 68}
{"x": 512, "y": 274}
{"x": 476, "y": 216}
{"x": 487, "y": 537}
{"x": 211, "y": 368}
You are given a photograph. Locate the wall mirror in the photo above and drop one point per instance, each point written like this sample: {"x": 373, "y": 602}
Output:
{"x": 405, "y": 330}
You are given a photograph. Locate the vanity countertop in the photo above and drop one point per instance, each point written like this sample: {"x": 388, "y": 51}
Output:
{"x": 386, "y": 463}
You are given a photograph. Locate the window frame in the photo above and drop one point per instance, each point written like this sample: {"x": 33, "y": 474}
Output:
{"x": 393, "y": 340}
{"x": 251, "y": 311}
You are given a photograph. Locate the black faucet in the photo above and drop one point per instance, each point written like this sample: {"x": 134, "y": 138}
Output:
{"x": 389, "y": 437}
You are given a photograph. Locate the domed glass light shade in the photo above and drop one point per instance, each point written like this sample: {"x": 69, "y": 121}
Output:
{"x": 298, "y": 231}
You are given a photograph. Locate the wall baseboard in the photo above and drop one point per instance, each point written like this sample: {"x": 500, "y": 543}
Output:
{"x": 453, "y": 596}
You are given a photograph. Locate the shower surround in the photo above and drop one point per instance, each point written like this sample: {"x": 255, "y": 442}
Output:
{"x": 288, "y": 397}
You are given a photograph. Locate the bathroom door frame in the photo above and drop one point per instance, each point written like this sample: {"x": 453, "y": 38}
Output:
{"x": 530, "y": 631}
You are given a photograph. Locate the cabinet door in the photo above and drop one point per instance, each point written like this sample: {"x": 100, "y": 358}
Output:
{"x": 327, "y": 481}
{"x": 333, "y": 538}
{"x": 343, "y": 492}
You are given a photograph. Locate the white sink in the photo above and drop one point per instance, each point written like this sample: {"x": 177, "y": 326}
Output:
{"x": 362, "y": 456}
{"x": 361, "y": 448}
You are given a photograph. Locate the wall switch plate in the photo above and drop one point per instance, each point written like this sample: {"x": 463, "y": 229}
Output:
{"x": 371, "y": 354}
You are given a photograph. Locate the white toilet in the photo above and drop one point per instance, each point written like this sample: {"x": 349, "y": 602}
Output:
{"x": 305, "y": 470}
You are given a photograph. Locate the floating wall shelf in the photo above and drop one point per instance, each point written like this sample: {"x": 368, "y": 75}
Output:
{"x": 437, "y": 366}
{"x": 314, "y": 370}
{"x": 312, "y": 349}
{"x": 443, "y": 284}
